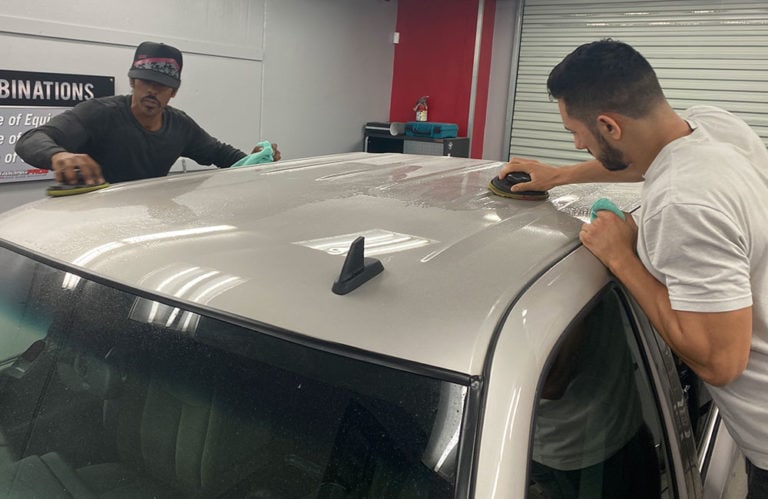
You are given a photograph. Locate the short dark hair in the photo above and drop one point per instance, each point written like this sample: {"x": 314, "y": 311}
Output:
{"x": 605, "y": 76}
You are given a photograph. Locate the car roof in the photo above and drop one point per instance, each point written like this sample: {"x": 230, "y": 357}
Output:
{"x": 265, "y": 244}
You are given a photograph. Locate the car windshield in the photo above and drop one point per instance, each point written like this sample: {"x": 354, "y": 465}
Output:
{"x": 107, "y": 393}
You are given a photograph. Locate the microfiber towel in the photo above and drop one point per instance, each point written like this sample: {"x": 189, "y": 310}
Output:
{"x": 605, "y": 204}
{"x": 263, "y": 156}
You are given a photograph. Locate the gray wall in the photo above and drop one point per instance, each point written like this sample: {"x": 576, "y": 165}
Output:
{"x": 496, "y": 140}
{"x": 327, "y": 71}
{"x": 306, "y": 74}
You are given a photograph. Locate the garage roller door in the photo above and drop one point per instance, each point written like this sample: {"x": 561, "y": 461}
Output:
{"x": 704, "y": 52}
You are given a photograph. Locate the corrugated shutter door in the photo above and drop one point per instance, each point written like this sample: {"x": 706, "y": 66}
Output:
{"x": 704, "y": 52}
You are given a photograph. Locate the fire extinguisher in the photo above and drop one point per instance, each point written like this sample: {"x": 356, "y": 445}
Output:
{"x": 421, "y": 108}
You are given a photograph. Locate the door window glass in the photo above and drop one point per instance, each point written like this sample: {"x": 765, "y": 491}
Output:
{"x": 597, "y": 427}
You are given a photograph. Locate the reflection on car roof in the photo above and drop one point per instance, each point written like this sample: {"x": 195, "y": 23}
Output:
{"x": 265, "y": 244}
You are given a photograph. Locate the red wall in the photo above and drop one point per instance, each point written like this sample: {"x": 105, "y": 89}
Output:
{"x": 435, "y": 58}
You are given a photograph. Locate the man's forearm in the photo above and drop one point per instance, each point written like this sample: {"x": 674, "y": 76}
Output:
{"x": 36, "y": 148}
{"x": 593, "y": 171}
{"x": 545, "y": 177}
{"x": 695, "y": 337}
{"x": 652, "y": 296}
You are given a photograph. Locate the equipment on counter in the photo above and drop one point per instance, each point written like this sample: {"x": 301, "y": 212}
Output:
{"x": 432, "y": 130}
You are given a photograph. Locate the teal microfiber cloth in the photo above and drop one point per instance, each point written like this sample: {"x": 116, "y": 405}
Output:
{"x": 263, "y": 156}
{"x": 605, "y": 204}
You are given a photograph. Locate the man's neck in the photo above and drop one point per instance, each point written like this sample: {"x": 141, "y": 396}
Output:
{"x": 149, "y": 120}
{"x": 151, "y": 123}
{"x": 662, "y": 129}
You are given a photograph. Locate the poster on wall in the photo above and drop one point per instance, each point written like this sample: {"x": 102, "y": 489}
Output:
{"x": 30, "y": 99}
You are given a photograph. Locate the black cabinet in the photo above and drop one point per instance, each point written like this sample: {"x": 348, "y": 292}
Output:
{"x": 455, "y": 146}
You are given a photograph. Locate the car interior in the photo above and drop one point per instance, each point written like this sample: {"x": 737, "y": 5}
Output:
{"x": 107, "y": 405}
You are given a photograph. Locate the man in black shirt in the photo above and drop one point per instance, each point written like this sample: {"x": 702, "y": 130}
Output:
{"x": 127, "y": 137}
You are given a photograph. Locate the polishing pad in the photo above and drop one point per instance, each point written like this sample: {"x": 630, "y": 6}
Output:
{"x": 60, "y": 190}
{"x": 501, "y": 187}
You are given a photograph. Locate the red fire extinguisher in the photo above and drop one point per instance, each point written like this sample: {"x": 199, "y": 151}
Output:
{"x": 421, "y": 108}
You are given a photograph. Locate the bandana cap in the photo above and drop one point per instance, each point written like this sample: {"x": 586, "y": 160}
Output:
{"x": 157, "y": 62}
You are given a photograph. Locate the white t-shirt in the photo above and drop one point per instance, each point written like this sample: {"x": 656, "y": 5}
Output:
{"x": 703, "y": 232}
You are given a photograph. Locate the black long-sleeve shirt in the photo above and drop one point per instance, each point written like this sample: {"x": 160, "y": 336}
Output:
{"x": 106, "y": 130}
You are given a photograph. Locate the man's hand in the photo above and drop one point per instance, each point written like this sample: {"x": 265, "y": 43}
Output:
{"x": 542, "y": 175}
{"x": 275, "y": 151}
{"x": 71, "y": 168}
{"x": 611, "y": 239}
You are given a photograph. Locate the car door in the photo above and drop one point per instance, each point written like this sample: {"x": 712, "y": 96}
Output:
{"x": 719, "y": 463}
{"x": 578, "y": 386}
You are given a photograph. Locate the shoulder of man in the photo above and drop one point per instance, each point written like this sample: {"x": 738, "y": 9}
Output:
{"x": 178, "y": 112}
{"x": 102, "y": 104}
{"x": 708, "y": 111}
{"x": 179, "y": 120}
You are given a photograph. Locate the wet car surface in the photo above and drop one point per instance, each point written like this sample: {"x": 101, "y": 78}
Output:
{"x": 180, "y": 337}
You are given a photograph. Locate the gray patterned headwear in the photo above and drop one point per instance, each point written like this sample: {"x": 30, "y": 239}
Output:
{"x": 157, "y": 62}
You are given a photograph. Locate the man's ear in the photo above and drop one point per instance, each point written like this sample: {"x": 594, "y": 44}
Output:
{"x": 131, "y": 82}
{"x": 608, "y": 125}
{"x": 173, "y": 94}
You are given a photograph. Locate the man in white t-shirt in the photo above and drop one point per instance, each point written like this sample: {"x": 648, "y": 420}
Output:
{"x": 697, "y": 260}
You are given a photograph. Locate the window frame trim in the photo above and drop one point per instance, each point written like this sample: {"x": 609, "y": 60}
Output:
{"x": 670, "y": 399}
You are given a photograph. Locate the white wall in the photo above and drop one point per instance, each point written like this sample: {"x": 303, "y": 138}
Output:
{"x": 306, "y": 74}
{"x": 222, "y": 44}
{"x": 327, "y": 71}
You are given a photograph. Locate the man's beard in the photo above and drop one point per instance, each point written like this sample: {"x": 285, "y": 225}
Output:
{"x": 610, "y": 157}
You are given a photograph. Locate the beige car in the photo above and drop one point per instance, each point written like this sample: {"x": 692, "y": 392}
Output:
{"x": 355, "y": 325}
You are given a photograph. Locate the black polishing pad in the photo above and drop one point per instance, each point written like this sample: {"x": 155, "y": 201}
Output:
{"x": 501, "y": 187}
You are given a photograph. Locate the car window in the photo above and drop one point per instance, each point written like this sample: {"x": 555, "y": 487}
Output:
{"x": 103, "y": 392}
{"x": 597, "y": 429}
